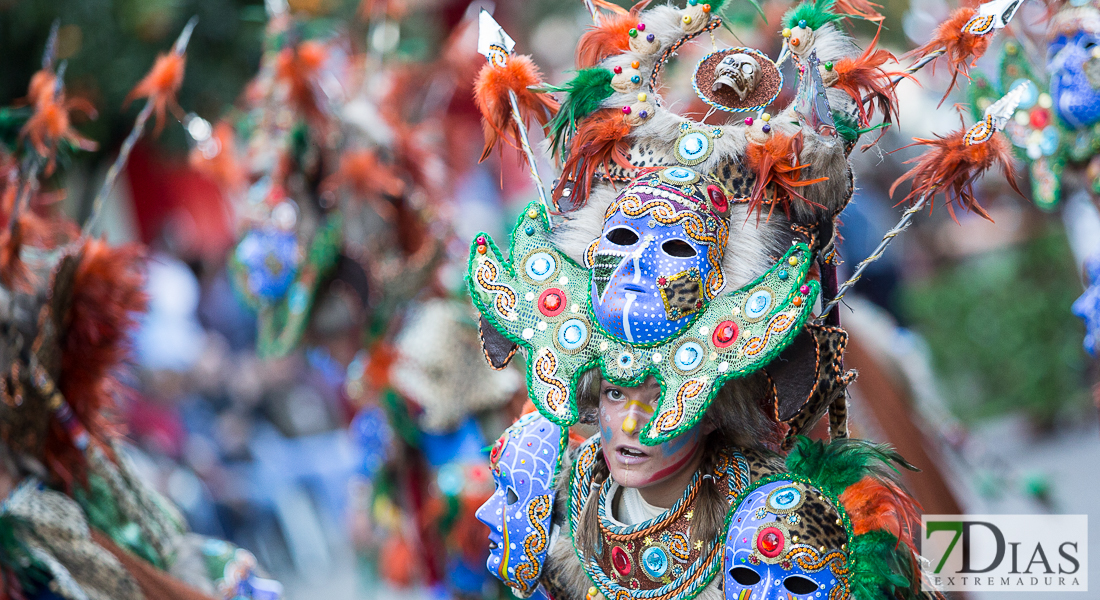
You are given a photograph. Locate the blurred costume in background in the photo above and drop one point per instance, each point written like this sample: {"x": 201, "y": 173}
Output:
{"x": 340, "y": 179}
{"x": 1056, "y": 131}
{"x": 690, "y": 255}
{"x": 77, "y": 521}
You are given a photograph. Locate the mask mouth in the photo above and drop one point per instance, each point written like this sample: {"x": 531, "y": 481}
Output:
{"x": 635, "y": 289}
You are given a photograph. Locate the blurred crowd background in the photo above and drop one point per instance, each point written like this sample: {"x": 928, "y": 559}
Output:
{"x": 347, "y": 451}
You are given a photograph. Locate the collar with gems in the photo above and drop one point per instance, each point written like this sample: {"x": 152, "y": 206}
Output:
{"x": 654, "y": 559}
{"x": 540, "y": 299}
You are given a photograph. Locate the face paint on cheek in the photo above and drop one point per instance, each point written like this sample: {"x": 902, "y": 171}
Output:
{"x": 677, "y": 444}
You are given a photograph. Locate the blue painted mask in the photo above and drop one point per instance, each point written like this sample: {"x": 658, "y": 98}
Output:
{"x": 1076, "y": 95}
{"x": 658, "y": 261}
{"x": 525, "y": 462}
{"x": 784, "y": 543}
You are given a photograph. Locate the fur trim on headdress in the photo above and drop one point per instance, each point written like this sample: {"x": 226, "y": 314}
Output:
{"x": 107, "y": 294}
{"x": 160, "y": 86}
{"x": 950, "y": 167}
{"x": 962, "y": 50}
{"x": 600, "y": 140}
{"x": 778, "y": 177}
{"x": 491, "y": 94}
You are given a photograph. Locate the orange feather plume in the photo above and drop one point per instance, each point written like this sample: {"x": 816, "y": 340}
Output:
{"x": 778, "y": 173}
{"x": 950, "y": 167}
{"x": 222, "y": 168}
{"x": 369, "y": 179}
{"x": 107, "y": 295}
{"x": 962, "y": 50}
{"x": 297, "y": 68}
{"x": 160, "y": 86}
{"x": 599, "y": 140}
{"x": 859, "y": 8}
{"x": 876, "y": 504}
{"x": 865, "y": 75}
{"x": 609, "y": 38}
{"x": 50, "y": 123}
{"x": 491, "y": 94}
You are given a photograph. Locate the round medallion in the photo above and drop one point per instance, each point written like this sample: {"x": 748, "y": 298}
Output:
{"x": 678, "y": 175}
{"x": 693, "y": 147}
{"x": 621, "y": 561}
{"x": 785, "y": 499}
{"x": 769, "y": 541}
{"x": 758, "y": 304}
{"x": 540, "y": 266}
{"x": 625, "y": 360}
{"x": 725, "y": 334}
{"x": 572, "y": 334}
{"x": 688, "y": 357}
{"x": 552, "y": 302}
{"x": 655, "y": 562}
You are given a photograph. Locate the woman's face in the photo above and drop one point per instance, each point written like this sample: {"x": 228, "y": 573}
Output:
{"x": 623, "y": 414}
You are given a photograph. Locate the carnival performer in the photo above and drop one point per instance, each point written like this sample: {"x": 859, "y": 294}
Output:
{"x": 664, "y": 292}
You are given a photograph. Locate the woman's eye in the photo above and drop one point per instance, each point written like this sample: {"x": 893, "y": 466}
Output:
{"x": 614, "y": 395}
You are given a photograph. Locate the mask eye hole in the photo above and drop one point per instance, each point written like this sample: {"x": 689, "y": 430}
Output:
{"x": 512, "y": 497}
{"x": 621, "y": 236}
{"x": 745, "y": 576}
{"x": 797, "y": 584}
{"x": 678, "y": 248}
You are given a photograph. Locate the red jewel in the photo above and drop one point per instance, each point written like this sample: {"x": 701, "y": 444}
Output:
{"x": 552, "y": 302}
{"x": 698, "y": 304}
{"x": 662, "y": 281}
{"x": 770, "y": 542}
{"x": 620, "y": 561}
{"x": 725, "y": 334}
{"x": 618, "y": 70}
{"x": 1040, "y": 118}
{"x": 718, "y": 198}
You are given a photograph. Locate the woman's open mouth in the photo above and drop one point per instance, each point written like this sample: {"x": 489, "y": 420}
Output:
{"x": 630, "y": 455}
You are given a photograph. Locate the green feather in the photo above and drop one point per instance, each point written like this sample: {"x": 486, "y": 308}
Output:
{"x": 815, "y": 14}
{"x": 882, "y": 567}
{"x": 585, "y": 92}
{"x": 836, "y": 465}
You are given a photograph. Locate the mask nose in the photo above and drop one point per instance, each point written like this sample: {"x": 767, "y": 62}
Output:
{"x": 637, "y": 415}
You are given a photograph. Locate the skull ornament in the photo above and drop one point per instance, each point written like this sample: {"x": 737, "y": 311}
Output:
{"x": 784, "y": 542}
{"x": 658, "y": 261}
{"x": 739, "y": 72}
{"x": 525, "y": 462}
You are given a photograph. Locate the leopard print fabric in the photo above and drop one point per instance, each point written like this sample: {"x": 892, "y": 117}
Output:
{"x": 830, "y": 394}
{"x": 54, "y": 529}
{"x": 819, "y": 523}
